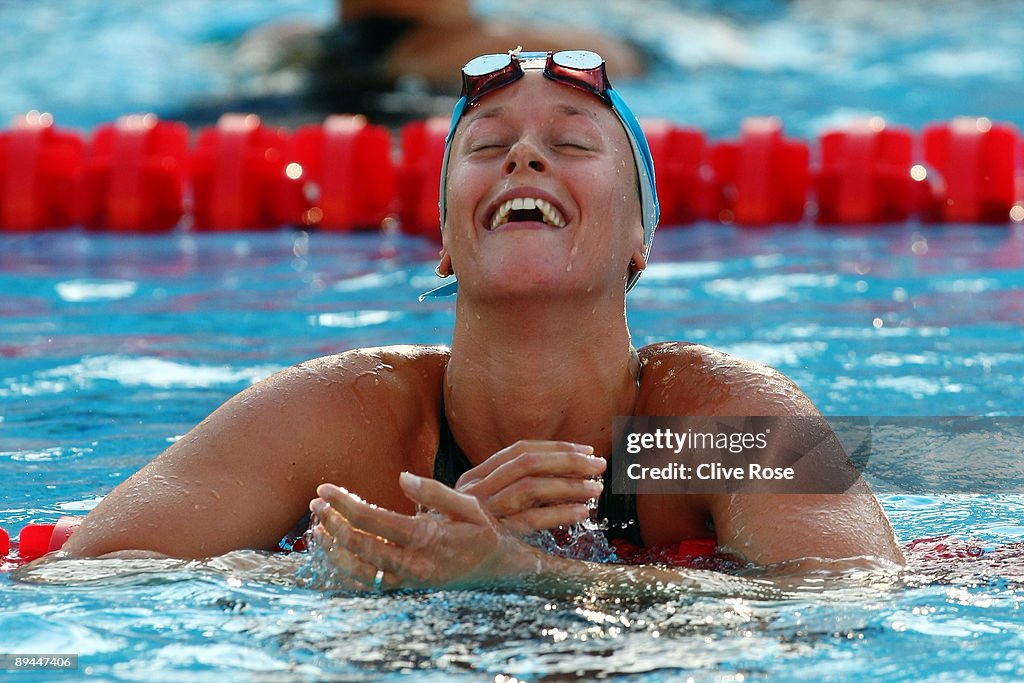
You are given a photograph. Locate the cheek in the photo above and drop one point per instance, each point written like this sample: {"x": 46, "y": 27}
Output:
{"x": 463, "y": 192}
{"x": 626, "y": 206}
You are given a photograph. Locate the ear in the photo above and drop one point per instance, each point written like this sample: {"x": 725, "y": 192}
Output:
{"x": 637, "y": 263}
{"x": 444, "y": 266}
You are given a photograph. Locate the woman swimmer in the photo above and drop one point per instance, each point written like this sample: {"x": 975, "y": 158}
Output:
{"x": 543, "y": 222}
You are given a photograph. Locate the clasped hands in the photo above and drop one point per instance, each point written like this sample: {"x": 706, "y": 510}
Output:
{"x": 470, "y": 535}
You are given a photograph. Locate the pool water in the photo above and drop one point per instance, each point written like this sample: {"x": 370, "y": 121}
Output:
{"x": 112, "y": 347}
{"x": 815, "y": 63}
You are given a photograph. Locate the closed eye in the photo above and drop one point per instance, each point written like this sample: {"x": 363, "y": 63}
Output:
{"x": 574, "y": 148}
{"x": 486, "y": 146}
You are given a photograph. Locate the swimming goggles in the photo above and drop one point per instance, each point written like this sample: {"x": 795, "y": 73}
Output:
{"x": 580, "y": 69}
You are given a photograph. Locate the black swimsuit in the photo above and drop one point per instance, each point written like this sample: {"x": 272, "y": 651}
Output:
{"x": 619, "y": 509}
{"x": 351, "y": 73}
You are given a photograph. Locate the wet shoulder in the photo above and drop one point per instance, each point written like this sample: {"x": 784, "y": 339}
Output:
{"x": 682, "y": 378}
{"x": 350, "y": 391}
{"x": 395, "y": 374}
{"x": 382, "y": 401}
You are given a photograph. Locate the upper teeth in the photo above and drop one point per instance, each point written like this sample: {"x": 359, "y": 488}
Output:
{"x": 551, "y": 215}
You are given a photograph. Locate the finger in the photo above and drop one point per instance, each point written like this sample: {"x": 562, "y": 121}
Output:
{"x": 535, "y": 463}
{"x": 510, "y": 453}
{"x": 347, "y": 570}
{"x": 519, "y": 448}
{"x": 436, "y": 496}
{"x": 535, "y": 492}
{"x": 345, "y": 567}
{"x": 541, "y": 518}
{"x": 407, "y": 563}
{"x": 368, "y": 547}
{"x": 371, "y": 552}
{"x": 394, "y": 527}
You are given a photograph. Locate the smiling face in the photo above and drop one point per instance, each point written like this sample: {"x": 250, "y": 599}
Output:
{"x": 541, "y": 192}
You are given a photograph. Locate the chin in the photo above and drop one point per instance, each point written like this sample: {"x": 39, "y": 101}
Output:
{"x": 537, "y": 285}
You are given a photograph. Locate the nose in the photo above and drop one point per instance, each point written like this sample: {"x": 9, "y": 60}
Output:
{"x": 524, "y": 154}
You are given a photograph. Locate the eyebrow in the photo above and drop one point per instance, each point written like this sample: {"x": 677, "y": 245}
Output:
{"x": 493, "y": 112}
{"x": 571, "y": 110}
{"x": 501, "y": 110}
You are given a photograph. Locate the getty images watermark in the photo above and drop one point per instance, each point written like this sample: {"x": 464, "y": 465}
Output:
{"x": 818, "y": 454}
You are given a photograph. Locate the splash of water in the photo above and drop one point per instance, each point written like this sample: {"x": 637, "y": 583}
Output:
{"x": 581, "y": 541}
{"x": 317, "y": 572}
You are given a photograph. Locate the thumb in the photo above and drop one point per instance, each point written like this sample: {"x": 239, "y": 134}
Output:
{"x": 436, "y": 496}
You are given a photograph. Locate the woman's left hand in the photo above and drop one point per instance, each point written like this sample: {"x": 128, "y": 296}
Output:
{"x": 457, "y": 544}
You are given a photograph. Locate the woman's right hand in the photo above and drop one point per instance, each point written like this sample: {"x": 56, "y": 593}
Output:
{"x": 535, "y": 485}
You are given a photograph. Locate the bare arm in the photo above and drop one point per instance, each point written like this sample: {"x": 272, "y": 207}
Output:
{"x": 765, "y": 527}
{"x": 772, "y": 528}
{"x": 243, "y": 477}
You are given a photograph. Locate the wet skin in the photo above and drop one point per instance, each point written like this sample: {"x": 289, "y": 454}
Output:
{"x": 540, "y": 363}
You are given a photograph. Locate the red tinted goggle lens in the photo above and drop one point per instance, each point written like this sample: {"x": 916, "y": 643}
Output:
{"x": 580, "y": 69}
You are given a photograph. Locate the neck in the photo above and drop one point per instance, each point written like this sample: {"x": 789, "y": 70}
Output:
{"x": 538, "y": 371}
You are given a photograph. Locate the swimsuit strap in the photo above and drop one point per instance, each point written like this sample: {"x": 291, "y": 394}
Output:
{"x": 617, "y": 511}
{"x": 451, "y": 462}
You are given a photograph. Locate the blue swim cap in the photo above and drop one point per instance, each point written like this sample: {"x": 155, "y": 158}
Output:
{"x": 642, "y": 159}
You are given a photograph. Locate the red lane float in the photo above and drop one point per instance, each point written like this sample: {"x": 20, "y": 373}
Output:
{"x": 976, "y": 164}
{"x": 36, "y": 540}
{"x": 135, "y": 175}
{"x": 419, "y": 175}
{"x": 138, "y": 175}
{"x": 40, "y": 175}
{"x": 686, "y": 189}
{"x": 764, "y": 176}
{"x": 236, "y": 171}
{"x": 865, "y": 174}
{"x": 338, "y": 176}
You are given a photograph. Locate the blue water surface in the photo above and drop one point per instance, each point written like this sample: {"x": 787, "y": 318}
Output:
{"x": 113, "y": 347}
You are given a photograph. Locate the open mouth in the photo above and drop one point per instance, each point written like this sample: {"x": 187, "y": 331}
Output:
{"x": 527, "y": 209}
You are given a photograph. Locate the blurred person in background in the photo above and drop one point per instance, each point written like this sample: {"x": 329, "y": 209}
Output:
{"x": 392, "y": 60}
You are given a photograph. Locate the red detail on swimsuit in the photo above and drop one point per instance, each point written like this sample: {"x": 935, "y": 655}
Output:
{"x": 299, "y": 545}
{"x": 944, "y": 548}
{"x": 695, "y": 553}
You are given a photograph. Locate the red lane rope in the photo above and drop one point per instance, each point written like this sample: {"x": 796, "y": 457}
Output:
{"x": 140, "y": 174}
